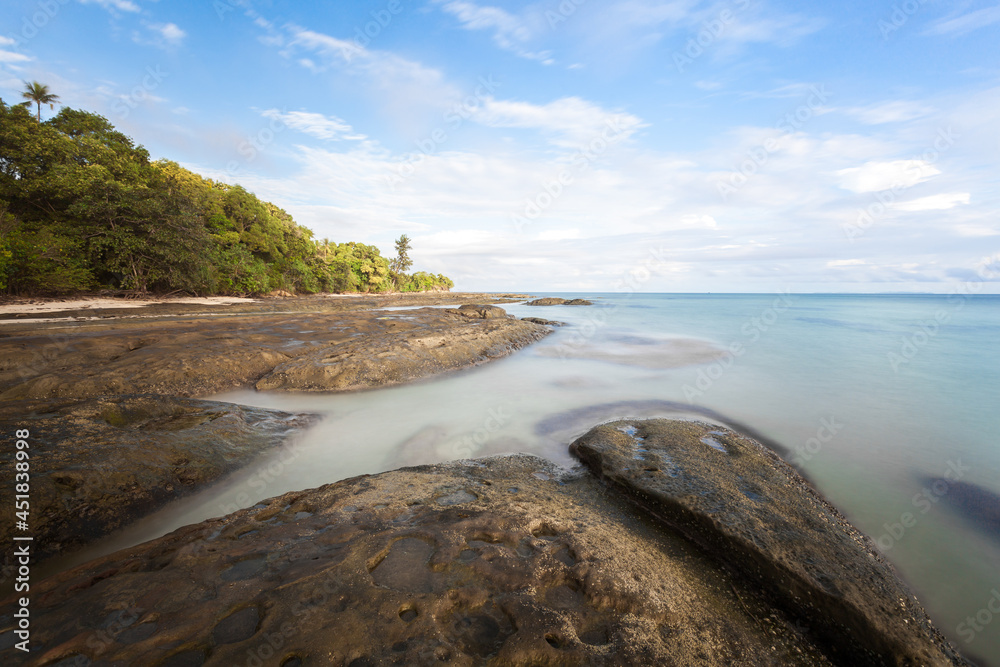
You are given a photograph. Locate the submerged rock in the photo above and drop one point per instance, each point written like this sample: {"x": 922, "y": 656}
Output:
{"x": 556, "y": 301}
{"x": 980, "y": 507}
{"x": 508, "y": 561}
{"x": 539, "y": 320}
{"x": 99, "y": 464}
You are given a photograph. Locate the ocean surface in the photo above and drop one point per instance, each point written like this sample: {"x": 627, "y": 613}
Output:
{"x": 874, "y": 398}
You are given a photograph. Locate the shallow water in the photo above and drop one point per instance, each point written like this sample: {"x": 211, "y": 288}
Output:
{"x": 872, "y": 396}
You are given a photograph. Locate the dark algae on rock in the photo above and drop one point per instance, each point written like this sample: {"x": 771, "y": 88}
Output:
{"x": 678, "y": 543}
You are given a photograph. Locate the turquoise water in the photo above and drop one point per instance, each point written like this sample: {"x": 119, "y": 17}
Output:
{"x": 874, "y": 396}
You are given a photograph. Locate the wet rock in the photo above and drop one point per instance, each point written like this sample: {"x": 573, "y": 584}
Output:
{"x": 506, "y": 561}
{"x": 556, "y": 301}
{"x": 98, "y": 464}
{"x": 481, "y": 312}
{"x": 293, "y": 344}
{"x": 751, "y": 510}
{"x": 442, "y": 343}
{"x": 539, "y": 320}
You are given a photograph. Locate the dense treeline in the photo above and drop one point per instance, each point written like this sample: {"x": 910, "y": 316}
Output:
{"x": 83, "y": 208}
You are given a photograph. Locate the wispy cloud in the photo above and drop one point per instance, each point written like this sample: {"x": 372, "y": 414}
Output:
{"x": 965, "y": 23}
{"x": 111, "y": 5}
{"x": 876, "y": 176}
{"x": 567, "y": 121}
{"x": 12, "y": 57}
{"x": 889, "y": 112}
{"x": 510, "y": 32}
{"x": 315, "y": 124}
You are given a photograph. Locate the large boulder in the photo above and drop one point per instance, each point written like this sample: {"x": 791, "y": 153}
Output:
{"x": 752, "y": 511}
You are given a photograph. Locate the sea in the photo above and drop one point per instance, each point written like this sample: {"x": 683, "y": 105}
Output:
{"x": 889, "y": 404}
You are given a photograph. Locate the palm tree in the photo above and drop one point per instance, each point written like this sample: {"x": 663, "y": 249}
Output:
{"x": 39, "y": 94}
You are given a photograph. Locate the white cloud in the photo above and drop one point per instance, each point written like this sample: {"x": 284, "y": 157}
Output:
{"x": 877, "y": 176}
{"x": 315, "y": 124}
{"x": 510, "y": 32}
{"x": 405, "y": 86}
{"x": 939, "y": 202}
{"x": 889, "y": 112}
{"x": 170, "y": 32}
{"x": 123, "y": 5}
{"x": 966, "y": 22}
{"x": 569, "y": 120}
{"x": 11, "y": 57}
{"x": 7, "y": 41}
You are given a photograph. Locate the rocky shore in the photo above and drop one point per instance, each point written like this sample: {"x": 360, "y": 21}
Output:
{"x": 671, "y": 543}
{"x": 105, "y": 390}
{"x": 676, "y": 543}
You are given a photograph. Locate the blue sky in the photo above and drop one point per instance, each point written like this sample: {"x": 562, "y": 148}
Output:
{"x": 741, "y": 145}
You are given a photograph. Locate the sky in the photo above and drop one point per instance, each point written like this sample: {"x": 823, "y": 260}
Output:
{"x": 571, "y": 145}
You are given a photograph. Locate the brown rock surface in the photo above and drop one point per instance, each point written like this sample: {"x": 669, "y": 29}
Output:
{"x": 330, "y": 345}
{"x": 556, "y": 301}
{"x": 739, "y": 500}
{"x": 501, "y": 561}
{"x": 99, "y": 464}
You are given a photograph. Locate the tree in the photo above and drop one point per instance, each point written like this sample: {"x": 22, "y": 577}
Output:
{"x": 402, "y": 261}
{"x": 39, "y": 94}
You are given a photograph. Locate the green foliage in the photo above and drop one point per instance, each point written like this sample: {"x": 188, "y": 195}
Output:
{"x": 82, "y": 207}
{"x": 402, "y": 262}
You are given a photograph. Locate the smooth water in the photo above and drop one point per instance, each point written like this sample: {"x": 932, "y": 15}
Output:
{"x": 873, "y": 395}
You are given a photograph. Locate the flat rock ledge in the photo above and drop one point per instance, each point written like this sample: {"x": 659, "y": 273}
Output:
{"x": 646, "y": 560}
{"x": 100, "y": 464}
{"x": 456, "y": 339}
{"x": 194, "y": 355}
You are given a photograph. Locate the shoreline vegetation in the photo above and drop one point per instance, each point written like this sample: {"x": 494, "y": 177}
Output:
{"x": 83, "y": 208}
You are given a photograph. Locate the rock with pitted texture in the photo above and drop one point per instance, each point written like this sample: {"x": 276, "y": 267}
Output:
{"x": 752, "y": 511}
{"x": 99, "y": 464}
{"x": 506, "y": 561}
{"x": 443, "y": 342}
